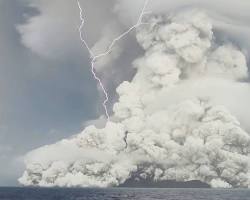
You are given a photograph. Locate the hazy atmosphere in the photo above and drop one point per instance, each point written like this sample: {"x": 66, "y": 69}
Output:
{"x": 177, "y": 84}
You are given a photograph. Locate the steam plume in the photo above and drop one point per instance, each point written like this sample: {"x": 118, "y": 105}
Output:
{"x": 169, "y": 122}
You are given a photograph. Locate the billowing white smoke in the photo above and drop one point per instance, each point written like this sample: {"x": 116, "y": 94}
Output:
{"x": 168, "y": 123}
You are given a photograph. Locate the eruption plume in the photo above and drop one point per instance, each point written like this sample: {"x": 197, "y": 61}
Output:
{"x": 171, "y": 122}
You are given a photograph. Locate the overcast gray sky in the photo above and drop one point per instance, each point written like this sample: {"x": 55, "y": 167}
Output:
{"x": 42, "y": 99}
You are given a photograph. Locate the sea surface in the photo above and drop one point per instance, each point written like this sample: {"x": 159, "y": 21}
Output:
{"x": 122, "y": 194}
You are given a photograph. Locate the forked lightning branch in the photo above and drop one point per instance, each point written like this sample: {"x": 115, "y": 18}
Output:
{"x": 94, "y": 57}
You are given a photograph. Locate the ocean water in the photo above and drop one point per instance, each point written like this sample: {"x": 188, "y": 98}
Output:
{"x": 122, "y": 194}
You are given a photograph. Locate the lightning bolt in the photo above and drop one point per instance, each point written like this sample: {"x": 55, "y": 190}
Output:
{"x": 94, "y": 57}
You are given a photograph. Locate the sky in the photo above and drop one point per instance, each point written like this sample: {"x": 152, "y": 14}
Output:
{"x": 42, "y": 99}
{"x": 47, "y": 90}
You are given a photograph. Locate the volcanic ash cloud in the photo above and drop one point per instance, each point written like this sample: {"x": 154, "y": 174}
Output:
{"x": 168, "y": 123}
